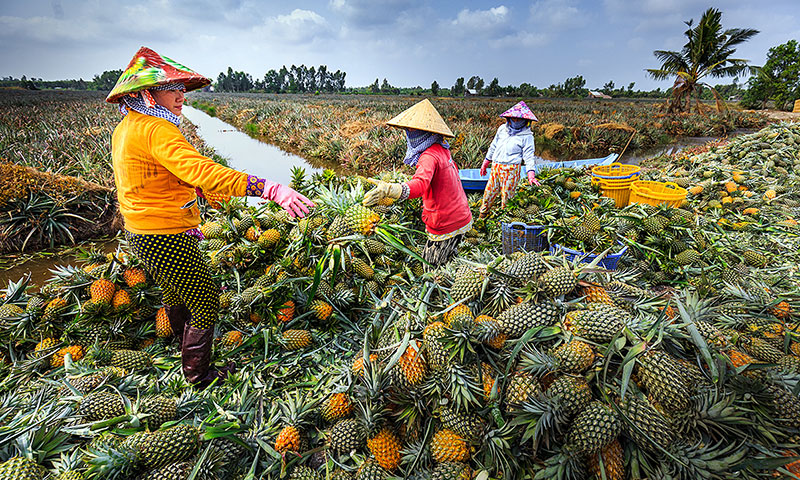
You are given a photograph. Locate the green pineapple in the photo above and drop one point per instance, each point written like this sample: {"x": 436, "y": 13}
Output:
{"x": 572, "y": 392}
{"x": 161, "y": 409}
{"x": 558, "y": 281}
{"x": 361, "y": 219}
{"x": 688, "y": 257}
{"x": 520, "y": 389}
{"x": 592, "y": 429}
{"x": 338, "y": 228}
{"x": 664, "y": 379}
{"x": 761, "y": 349}
{"x": 467, "y": 285}
{"x": 520, "y": 318}
{"x": 130, "y": 360}
{"x": 370, "y": 470}
{"x": 755, "y": 259}
{"x": 164, "y": 447}
{"x": 451, "y": 471}
{"x": 101, "y": 406}
{"x": 652, "y": 226}
{"x": 467, "y": 425}
{"x": 594, "y": 325}
{"x": 527, "y": 268}
{"x": 346, "y": 435}
{"x": 656, "y": 431}
{"x": 301, "y": 472}
{"x": 362, "y": 269}
{"x": 21, "y": 468}
{"x": 374, "y": 247}
{"x": 433, "y": 346}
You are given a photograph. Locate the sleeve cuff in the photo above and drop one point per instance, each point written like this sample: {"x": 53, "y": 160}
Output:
{"x": 406, "y": 192}
{"x": 255, "y": 186}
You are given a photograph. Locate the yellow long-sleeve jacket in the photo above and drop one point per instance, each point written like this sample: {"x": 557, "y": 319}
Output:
{"x": 156, "y": 171}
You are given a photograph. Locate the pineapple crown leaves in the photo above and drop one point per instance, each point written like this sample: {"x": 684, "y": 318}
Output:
{"x": 542, "y": 418}
{"x": 45, "y": 443}
{"x": 536, "y": 362}
{"x": 111, "y": 462}
{"x": 297, "y": 409}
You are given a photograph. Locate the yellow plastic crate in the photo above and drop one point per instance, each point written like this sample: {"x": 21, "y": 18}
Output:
{"x": 657, "y": 193}
{"x": 619, "y": 190}
{"x": 615, "y": 171}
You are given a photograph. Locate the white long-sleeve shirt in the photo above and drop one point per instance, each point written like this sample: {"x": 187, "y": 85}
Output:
{"x": 512, "y": 150}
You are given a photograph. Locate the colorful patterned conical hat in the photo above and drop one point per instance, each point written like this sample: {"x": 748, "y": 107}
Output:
{"x": 520, "y": 110}
{"x": 149, "y": 69}
{"x": 422, "y": 116}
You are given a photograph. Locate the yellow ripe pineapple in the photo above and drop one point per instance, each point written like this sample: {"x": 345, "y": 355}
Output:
{"x": 596, "y": 294}
{"x": 286, "y": 312}
{"x": 57, "y": 360}
{"x": 297, "y": 339}
{"x": 358, "y": 364}
{"x": 231, "y": 339}
{"x": 336, "y": 407}
{"x": 163, "y": 328}
{"x": 134, "y": 278}
{"x": 613, "y": 462}
{"x": 456, "y": 312}
{"x": 46, "y": 344}
{"x": 488, "y": 380}
{"x": 385, "y": 447}
{"x": 288, "y": 440}
{"x": 121, "y": 300}
{"x": 269, "y": 238}
{"x": 494, "y": 336}
{"x": 102, "y": 291}
{"x": 322, "y": 309}
{"x": 412, "y": 364}
{"x": 447, "y": 446}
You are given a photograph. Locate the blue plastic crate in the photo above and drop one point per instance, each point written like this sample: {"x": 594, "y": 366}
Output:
{"x": 518, "y": 236}
{"x": 609, "y": 262}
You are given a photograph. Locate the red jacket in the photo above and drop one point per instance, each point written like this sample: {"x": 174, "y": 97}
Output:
{"x": 444, "y": 203}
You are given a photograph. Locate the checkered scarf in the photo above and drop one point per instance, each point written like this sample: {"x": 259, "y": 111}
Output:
{"x": 144, "y": 103}
{"x": 418, "y": 141}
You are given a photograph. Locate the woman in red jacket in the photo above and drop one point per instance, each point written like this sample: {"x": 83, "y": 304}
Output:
{"x": 445, "y": 210}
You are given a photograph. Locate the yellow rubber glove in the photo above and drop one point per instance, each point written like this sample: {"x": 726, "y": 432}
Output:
{"x": 382, "y": 190}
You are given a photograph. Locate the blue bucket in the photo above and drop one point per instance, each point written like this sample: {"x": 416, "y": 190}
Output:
{"x": 609, "y": 262}
{"x": 518, "y": 236}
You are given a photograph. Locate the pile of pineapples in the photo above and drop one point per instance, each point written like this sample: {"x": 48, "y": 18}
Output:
{"x": 355, "y": 361}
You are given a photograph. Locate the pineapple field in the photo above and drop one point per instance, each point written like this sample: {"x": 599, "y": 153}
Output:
{"x": 356, "y": 360}
{"x": 349, "y": 130}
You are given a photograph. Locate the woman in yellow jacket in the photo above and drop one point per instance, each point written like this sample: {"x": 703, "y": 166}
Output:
{"x": 159, "y": 176}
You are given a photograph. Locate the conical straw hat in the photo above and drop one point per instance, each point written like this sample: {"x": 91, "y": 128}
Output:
{"x": 148, "y": 69}
{"x": 422, "y": 116}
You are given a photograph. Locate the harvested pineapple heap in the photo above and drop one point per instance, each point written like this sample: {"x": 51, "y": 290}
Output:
{"x": 355, "y": 361}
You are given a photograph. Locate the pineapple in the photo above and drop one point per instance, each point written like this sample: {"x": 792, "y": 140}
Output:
{"x": 46, "y": 344}
{"x": 412, "y": 364}
{"x": 688, "y": 257}
{"x": 451, "y": 471}
{"x": 593, "y": 325}
{"x": 301, "y": 472}
{"x": 130, "y": 360}
{"x": 574, "y": 356}
{"x": 101, "y": 406}
{"x": 762, "y": 349}
{"x": 385, "y": 447}
{"x": 613, "y": 462}
{"x": 163, "y": 327}
{"x": 467, "y": 425}
{"x": 338, "y": 229}
{"x": 362, "y": 269}
{"x": 755, "y": 259}
{"x": 346, "y": 435}
{"x": 212, "y": 230}
{"x": 592, "y": 429}
{"x": 527, "y": 268}
{"x": 656, "y": 431}
{"x": 161, "y": 410}
{"x": 231, "y": 339}
{"x": 336, "y": 407}
{"x": 489, "y": 331}
{"x": 558, "y": 281}
{"x": 521, "y": 388}
{"x": 370, "y": 470}
{"x": 374, "y": 247}
{"x": 435, "y": 350}
{"x": 21, "y": 468}
{"x": 75, "y": 351}
{"x": 361, "y": 219}
{"x": 134, "y": 278}
{"x": 164, "y": 447}
{"x": 286, "y": 312}
{"x": 53, "y": 310}
{"x": 121, "y": 300}
{"x": 573, "y": 393}
{"x": 664, "y": 379}
{"x": 269, "y": 238}
{"x": 322, "y": 309}
{"x": 297, "y": 339}
{"x": 294, "y": 414}
{"x": 467, "y": 285}
{"x": 520, "y": 318}
{"x": 596, "y": 294}
{"x": 447, "y": 446}
{"x": 102, "y": 291}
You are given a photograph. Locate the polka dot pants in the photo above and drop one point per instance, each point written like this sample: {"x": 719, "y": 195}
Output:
{"x": 182, "y": 273}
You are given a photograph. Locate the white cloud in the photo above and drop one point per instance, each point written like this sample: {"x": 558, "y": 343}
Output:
{"x": 477, "y": 20}
{"x": 557, "y": 14}
{"x": 521, "y": 39}
{"x": 300, "y": 26}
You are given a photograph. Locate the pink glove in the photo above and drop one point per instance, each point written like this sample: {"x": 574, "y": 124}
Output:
{"x": 532, "y": 178}
{"x": 485, "y": 166}
{"x": 291, "y": 201}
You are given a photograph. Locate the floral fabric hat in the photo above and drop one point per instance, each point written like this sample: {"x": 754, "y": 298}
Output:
{"x": 520, "y": 110}
{"x": 148, "y": 69}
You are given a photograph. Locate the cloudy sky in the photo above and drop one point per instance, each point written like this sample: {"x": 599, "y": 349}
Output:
{"x": 409, "y": 42}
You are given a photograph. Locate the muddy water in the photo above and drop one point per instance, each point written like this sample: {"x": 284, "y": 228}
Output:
{"x": 38, "y": 268}
{"x": 244, "y": 152}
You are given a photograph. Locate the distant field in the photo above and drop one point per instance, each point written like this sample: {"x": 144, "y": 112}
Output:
{"x": 349, "y": 129}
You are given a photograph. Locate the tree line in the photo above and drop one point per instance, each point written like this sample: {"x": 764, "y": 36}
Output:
{"x": 104, "y": 82}
{"x": 296, "y": 79}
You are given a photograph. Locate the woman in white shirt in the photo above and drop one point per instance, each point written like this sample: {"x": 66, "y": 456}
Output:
{"x": 511, "y": 148}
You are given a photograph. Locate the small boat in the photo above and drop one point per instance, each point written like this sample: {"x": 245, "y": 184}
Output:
{"x": 472, "y": 180}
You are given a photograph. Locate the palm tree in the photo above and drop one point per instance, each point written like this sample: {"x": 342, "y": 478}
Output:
{"x": 707, "y": 53}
